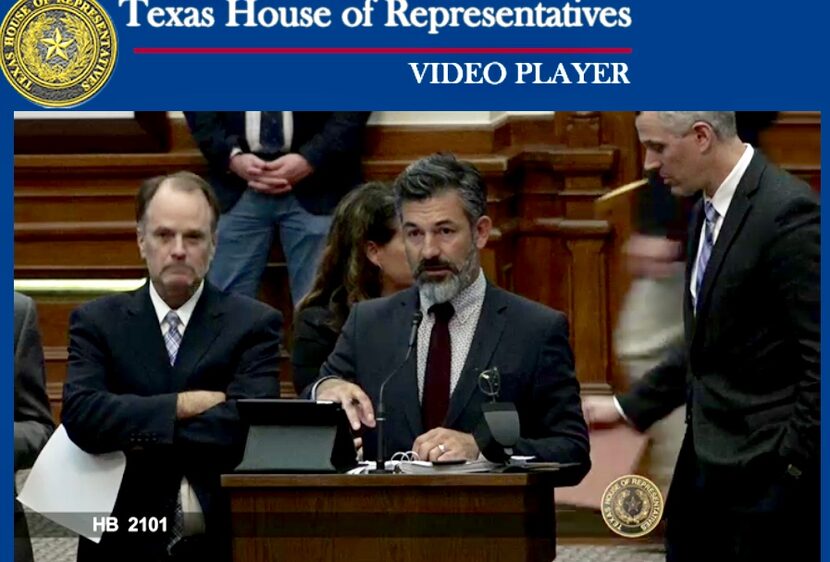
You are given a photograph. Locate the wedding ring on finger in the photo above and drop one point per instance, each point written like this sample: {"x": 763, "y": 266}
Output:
{"x": 442, "y": 448}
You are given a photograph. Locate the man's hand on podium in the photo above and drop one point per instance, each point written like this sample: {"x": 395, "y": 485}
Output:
{"x": 355, "y": 402}
{"x": 600, "y": 411}
{"x": 445, "y": 445}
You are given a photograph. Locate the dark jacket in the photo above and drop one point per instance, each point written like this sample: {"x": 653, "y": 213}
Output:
{"x": 120, "y": 395}
{"x": 331, "y": 141}
{"x": 527, "y": 341}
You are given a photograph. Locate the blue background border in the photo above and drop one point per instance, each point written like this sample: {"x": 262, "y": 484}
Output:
{"x": 689, "y": 55}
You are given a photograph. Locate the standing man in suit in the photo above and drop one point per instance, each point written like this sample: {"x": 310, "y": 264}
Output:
{"x": 156, "y": 373}
{"x": 435, "y": 400}
{"x": 276, "y": 169}
{"x": 746, "y": 485}
{"x": 32, "y": 416}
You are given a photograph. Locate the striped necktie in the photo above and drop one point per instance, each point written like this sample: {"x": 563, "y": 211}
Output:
{"x": 706, "y": 248}
{"x": 173, "y": 338}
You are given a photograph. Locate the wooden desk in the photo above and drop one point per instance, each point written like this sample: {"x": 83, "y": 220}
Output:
{"x": 392, "y": 518}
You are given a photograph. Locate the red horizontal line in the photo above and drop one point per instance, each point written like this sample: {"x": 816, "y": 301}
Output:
{"x": 382, "y": 50}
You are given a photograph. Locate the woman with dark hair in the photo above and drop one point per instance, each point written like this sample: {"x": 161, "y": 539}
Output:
{"x": 364, "y": 259}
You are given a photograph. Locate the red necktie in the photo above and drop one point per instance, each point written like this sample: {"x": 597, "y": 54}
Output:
{"x": 439, "y": 361}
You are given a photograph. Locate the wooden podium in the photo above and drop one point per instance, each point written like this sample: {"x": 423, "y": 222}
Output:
{"x": 392, "y": 517}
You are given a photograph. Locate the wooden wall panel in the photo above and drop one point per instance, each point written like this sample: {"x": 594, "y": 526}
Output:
{"x": 146, "y": 131}
{"x": 794, "y": 143}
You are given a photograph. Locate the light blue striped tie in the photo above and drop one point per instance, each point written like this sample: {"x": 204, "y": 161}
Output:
{"x": 172, "y": 339}
{"x": 706, "y": 248}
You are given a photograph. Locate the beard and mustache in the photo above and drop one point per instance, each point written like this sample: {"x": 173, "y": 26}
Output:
{"x": 458, "y": 277}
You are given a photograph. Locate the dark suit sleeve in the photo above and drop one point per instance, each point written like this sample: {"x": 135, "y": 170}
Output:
{"x": 100, "y": 420}
{"x": 256, "y": 376}
{"x": 97, "y": 419}
{"x": 214, "y": 140}
{"x": 794, "y": 262}
{"x": 313, "y": 343}
{"x": 659, "y": 392}
{"x": 339, "y": 136}
{"x": 32, "y": 417}
{"x": 554, "y": 427}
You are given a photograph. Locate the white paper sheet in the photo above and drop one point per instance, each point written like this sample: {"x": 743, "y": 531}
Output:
{"x": 73, "y": 488}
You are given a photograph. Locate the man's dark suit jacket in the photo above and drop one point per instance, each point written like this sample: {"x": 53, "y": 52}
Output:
{"x": 331, "y": 141}
{"x": 528, "y": 343}
{"x": 120, "y": 395}
{"x": 749, "y": 368}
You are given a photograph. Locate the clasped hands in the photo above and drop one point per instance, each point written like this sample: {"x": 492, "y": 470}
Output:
{"x": 273, "y": 178}
{"x": 439, "y": 444}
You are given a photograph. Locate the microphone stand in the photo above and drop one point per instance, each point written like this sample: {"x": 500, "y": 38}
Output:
{"x": 380, "y": 417}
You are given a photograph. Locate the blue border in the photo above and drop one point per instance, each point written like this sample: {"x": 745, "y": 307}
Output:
{"x": 696, "y": 54}
{"x": 825, "y": 393}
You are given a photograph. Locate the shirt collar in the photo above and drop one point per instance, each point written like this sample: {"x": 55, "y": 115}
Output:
{"x": 726, "y": 190}
{"x": 464, "y": 302}
{"x": 185, "y": 311}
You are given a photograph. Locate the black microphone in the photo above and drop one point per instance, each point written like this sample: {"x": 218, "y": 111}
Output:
{"x": 380, "y": 416}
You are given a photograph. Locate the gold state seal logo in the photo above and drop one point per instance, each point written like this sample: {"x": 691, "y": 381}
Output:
{"x": 632, "y": 506}
{"x": 58, "y": 53}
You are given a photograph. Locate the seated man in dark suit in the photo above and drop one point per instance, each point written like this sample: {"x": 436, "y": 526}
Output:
{"x": 435, "y": 401}
{"x": 156, "y": 373}
{"x": 32, "y": 417}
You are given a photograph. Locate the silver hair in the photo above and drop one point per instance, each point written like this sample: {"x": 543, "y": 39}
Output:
{"x": 680, "y": 122}
{"x": 437, "y": 174}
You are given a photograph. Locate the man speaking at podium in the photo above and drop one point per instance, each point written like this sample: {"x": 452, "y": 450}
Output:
{"x": 433, "y": 397}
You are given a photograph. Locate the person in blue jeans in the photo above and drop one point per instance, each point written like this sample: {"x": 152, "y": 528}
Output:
{"x": 276, "y": 170}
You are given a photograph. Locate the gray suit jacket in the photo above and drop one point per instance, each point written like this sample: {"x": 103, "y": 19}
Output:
{"x": 32, "y": 417}
{"x": 528, "y": 343}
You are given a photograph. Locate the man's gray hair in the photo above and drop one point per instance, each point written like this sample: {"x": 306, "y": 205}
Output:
{"x": 437, "y": 174}
{"x": 681, "y": 122}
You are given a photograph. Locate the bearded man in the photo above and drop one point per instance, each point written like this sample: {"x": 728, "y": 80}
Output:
{"x": 434, "y": 399}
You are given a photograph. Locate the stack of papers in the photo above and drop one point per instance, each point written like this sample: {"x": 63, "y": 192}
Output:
{"x": 425, "y": 467}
